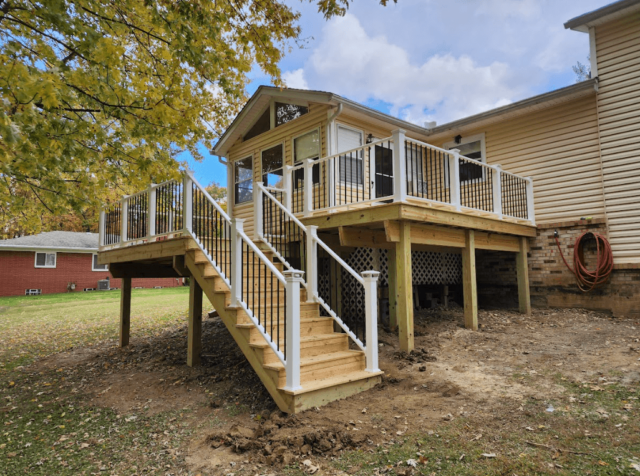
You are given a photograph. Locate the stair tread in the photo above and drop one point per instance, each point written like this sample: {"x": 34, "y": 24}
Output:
{"x": 332, "y": 381}
{"x": 251, "y": 325}
{"x": 315, "y": 359}
{"x": 311, "y": 338}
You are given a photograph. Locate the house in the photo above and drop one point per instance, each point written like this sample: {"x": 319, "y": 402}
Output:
{"x": 341, "y": 216}
{"x": 58, "y": 262}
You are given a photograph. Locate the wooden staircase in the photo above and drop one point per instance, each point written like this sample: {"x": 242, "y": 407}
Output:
{"x": 329, "y": 369}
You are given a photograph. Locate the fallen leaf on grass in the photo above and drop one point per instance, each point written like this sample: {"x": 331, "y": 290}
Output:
{"x": 489, "y": 455}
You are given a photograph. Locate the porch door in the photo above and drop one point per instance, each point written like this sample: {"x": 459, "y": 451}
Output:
{"x": 383, "y": 177}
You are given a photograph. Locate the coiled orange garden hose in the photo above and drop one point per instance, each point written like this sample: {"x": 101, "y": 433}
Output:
{"x": 589, "y": 280}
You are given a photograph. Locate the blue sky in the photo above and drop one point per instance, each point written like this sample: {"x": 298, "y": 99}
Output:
{"x": 431, "y": 60}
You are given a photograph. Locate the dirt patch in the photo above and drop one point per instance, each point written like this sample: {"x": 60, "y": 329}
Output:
{"x": 454, "y": 372}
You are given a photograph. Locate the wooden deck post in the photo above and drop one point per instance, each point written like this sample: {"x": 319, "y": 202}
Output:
{"x": 469, "y": 283}
{"x": 524, "y": 296}
{"x": 194, "y": 338}
{"x": 125, "y": 312}
{"x": 404, "y": 288}
{"x": 393, "y": 284}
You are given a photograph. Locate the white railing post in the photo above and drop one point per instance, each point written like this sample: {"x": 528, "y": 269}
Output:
{"x": 454, "y": 178}
{"x": 371, "y": 319}
{"x": 399, "y": 167}
{"x": 258, "y": 228}
{"x": 292, "y": 347}
{"x": 312, "y": 263}
{"x": 124, "y": 212}
{"x": 101, "y": 223}
{"x": 237, "y": 226}
{"x": 497, "y": 190}
{"x": 308, "y": 187}
{"x": 287, "y": 184}
{"x": 530, "y": 206}
{"x": 151, "y": 196}
{"x": 187, "y": 203}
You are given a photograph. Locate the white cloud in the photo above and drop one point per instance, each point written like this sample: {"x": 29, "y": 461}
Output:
{"x": 295, "y": 79}
{"x": 350, "y": 62}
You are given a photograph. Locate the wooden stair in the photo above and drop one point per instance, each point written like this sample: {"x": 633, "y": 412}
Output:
{"x": 329, "y": 369}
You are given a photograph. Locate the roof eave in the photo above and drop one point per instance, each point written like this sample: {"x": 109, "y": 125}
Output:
{"x": 584, "y": 21}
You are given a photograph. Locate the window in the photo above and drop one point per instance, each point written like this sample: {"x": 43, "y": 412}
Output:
{"x": 45, "y": 260}
{"x": 473, "y": 148}
{"x": 307, "y": 146}
{"x": 244, "y": 180}
{"x": 98, "y": 267}
{"x": 32, "y": 292}
{"x": 288, "y": 112}
{"x": 351, "y": 168}
{"x": 262, "y": 125}
{"x": 272, "y": 160}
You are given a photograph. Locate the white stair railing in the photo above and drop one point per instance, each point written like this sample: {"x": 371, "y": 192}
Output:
{"x": 269, "y": 203}
{"x": 185, "y": 208}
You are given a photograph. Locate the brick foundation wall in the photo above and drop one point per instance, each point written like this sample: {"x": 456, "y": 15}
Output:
{"x": 18, "y": 273}
{"x": 552, "y": 284}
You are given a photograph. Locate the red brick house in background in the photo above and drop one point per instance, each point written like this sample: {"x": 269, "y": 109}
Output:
{"x": 58, "y": 262}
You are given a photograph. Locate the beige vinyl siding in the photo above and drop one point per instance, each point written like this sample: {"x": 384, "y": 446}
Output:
{"x": 618, "y": 56}
{"x": 316, "y": 118}
{"x": 558, "y": 148}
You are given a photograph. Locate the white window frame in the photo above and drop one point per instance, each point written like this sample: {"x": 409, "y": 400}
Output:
{"x": 272, "y": 113}
{"x": 483, "y": 150}
{"x": 362, "y": 144}
{"x": 235, "y": 164}
{"x": 92, "y": 262}
{"x": 284, "y": 158}
{"x": 293, "y": 149}
{"x": 35, "y": 259}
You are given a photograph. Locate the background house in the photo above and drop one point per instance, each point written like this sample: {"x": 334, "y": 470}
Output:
{"x": 56, "y": 261}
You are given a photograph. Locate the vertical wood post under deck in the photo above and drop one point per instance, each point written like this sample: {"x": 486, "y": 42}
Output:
{"x": 125, "y": 312}
{"x": 393, "y": 285}
{"x": 469, "y": 283}
{"x": 524, "y": 296}
{"x": 404, "y": 288}
{"x": 194, "y": 339}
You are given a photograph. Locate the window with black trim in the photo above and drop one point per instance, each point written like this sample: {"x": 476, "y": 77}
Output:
{"x": 351, "y": 164}
{"x": 272, "y": 162}
{"x": 243, "y": 180}
{"x": 45, "y": 260}
{"x": 288, "y": 112}
{"x": 307, "y": 146}
{"x": 98, "y": 267}
{"x": 472, "y": 148}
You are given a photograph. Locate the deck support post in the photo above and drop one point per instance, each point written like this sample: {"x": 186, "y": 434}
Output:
{"x": 294, "y": 278}
{"x": 312, "y": 263}
{"x": 469, "y": 283}
{"x": 194, "y": 338}
{"x": 404, "y": 288}
{"x": 393, "y": 284}
{"x": 399, "y": 166}
{"x": 524, "y": 296}
{"x": 125, "y": 312}
{"x": 371, "y": 319}
{"x": 237, "y": 225}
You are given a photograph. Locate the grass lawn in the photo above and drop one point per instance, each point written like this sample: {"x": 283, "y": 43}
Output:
{"x": 36, "y": 326}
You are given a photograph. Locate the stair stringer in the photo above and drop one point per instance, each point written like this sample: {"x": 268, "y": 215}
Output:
{"x": 284, "y": 401}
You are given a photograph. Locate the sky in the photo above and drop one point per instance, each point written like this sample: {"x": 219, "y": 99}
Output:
{"x": 430, "y": 60}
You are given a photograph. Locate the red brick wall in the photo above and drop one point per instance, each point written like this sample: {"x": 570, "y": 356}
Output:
{"x": 18, "y": 272}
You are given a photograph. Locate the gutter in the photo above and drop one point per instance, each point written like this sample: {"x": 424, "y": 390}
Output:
{"x": 47, "y": 248}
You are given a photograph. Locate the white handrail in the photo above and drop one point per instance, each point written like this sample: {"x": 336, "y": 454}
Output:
{"x": 356, "y": 149}
{"x": 282, "y": 207}
{"x": 211, "y": 199}
{"x": 262, "y": 257}
{"x": 340, "y": 261}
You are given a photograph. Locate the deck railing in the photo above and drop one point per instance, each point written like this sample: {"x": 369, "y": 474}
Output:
{"x": 270, "y": 298}
{"x": 286, "y": 236}
{"x": 399, "y": 168}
